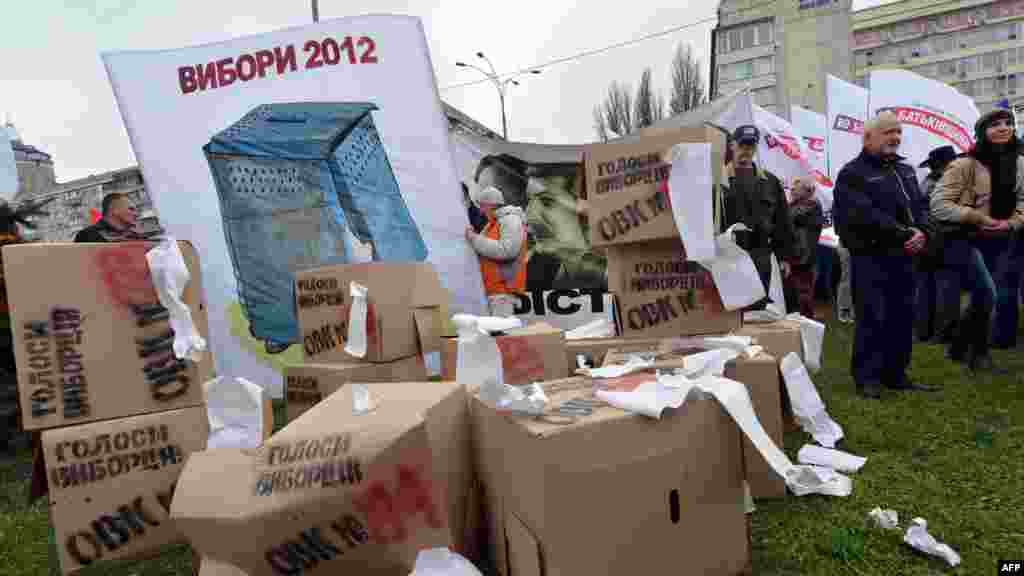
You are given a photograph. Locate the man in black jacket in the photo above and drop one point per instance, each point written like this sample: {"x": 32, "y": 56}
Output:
{"x": 754, "y": 197}
{"x": 881, "y": 216}
{"x": 117, "y": 224}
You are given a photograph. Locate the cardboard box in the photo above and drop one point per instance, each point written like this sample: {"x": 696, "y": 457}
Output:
{"x": 371, "y": 491}
{"x": 594, "y": 350}
{"x": 307, "y": 384}
{"x": 624, "y": 183}
{"x": 80, "y": 338}
{"x": 761, "y": 376}
{"x": 659, "y": 293}
{"x": 111, "y": 483}
{"x": 778, "y": 338}
{"x": 612, "y": 493}
{"x": 403, "y": 318}
{"x": 529, "y": 354}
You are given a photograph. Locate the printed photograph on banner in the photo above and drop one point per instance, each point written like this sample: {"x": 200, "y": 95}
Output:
{"x": 564, "y": 281}
{"x": 310, "y": 146}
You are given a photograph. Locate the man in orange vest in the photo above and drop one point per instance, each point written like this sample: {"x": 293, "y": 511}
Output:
{"x": 501, "y": 246}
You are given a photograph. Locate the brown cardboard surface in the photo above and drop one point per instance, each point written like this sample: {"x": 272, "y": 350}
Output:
{"x": 761, "y": 377}
{"x": 307, "y": 384}
{"x": 111, "y": 483}
{"x": 661, "y": 294}
{"x": 529, "y": 354}
{"x": 594, "y": 349}
{"x": 613, "y": 493}
{"x": 778, "y": 338}
{"x": 77, "y": 341}
{"x": 623, "y": 181}
{"x": 404, "y": 311}
{"x": 409, "y": 455}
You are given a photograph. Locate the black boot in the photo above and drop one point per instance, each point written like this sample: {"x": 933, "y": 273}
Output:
{"x": 962, "y": 333}
{"x": 980, "y": 359}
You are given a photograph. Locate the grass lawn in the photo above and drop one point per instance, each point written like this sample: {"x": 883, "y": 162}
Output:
{"x": 955, "y": 458}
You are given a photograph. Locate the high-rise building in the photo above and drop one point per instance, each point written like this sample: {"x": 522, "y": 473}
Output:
{"x": 781, "y": 49}
{"x": 975, "y": 46}
{"x": 35, "y": 167}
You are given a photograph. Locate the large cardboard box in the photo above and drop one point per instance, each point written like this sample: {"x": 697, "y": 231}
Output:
{"x": 625, "y": 183}
{"x": 335, "y": 492}
{"x": 659, "y": 293}
{"x": 778, "y": 338}
{"x": 612, "y": 493}
{"x": 760, "y": 375}
{"x": 91, "y": 340}
{"x": 307, "y": 384}
{"x": 529, "y": 354}
{"x": 111, "y": 483}
{"x": 406, "y": 301}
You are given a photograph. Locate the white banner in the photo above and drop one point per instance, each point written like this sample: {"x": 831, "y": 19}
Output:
{"x": 8, "y": 167}
{"x": 814, "y": 129}
{"x": 933, "y": 114}
{"x": 782, "y": 150}
{"x": 275, "y": 152}
{"x": 847, "y": 111}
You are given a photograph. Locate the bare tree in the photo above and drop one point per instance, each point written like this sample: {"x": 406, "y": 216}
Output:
{"x": 650, "y": 106}
{"x": 687, "y": 82}
{"x": 614, "y": 116}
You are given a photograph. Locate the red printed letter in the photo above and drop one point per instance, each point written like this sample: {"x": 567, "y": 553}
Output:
{"x": 225, "y": 73}
{"x": 187, "y": 79}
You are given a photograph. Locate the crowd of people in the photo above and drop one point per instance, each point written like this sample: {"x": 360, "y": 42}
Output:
{"x": 907, "y": 248}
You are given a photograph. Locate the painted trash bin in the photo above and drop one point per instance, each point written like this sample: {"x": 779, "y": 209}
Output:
{"x": 296, "y": 182}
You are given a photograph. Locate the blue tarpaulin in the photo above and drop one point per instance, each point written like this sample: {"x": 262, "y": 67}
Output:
{"x": 292, "y": 178}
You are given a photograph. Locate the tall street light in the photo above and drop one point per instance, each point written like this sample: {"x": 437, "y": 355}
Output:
{"x": 316, "y": 11}
{"x": 499, "y": 83}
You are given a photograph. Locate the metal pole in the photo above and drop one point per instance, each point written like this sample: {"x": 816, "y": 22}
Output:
{"x": 316, "y": 11}
{"x": 504, "y": 122}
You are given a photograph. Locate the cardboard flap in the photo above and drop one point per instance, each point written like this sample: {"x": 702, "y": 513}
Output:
{"x": 523, "y": 549}
{"x": 428, "y": 328}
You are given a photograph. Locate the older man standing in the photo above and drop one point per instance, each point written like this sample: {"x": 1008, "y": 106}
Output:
{"x": 882, "y": 218}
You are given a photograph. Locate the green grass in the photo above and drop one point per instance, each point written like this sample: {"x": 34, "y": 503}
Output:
{"x": 953, "y": 458}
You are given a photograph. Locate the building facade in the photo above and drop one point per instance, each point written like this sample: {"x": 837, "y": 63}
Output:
{"x": 781, "y": 49}
{"x": 70, "y": 204}
{"x": 35, "y": 169}
{"x": 974, "y": 46}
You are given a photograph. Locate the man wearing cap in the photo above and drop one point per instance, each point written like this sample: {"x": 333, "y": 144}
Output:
{"x": 754, "y": 197}
{"x": 882, "y": 218}
{"x": 938, "y": 288}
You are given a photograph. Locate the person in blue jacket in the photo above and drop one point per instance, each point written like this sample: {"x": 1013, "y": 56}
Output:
{"x": 881, "y": 216}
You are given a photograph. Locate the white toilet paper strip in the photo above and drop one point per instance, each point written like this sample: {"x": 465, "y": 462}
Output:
{"x": 479, "y": 363}
{"x": 234, "y": 408}
{"x": 170, "y": 276}
{"x": 362, "y": 400}
{"x": 807, "y": 405}
{"x": 834, "y": 459}
{"x": 357, "y": 313}
{"x": 917, "y": 537}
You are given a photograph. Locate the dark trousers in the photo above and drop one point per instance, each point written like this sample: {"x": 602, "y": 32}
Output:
{"x": 1008, "y": 287}
{"x": 883, "y": 300}
{"x": 937, "y": 304}
{"x": 800, "y": 290}
{"x": 980, "y": 261}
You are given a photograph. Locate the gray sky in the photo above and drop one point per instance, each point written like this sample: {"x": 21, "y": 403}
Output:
{"x": 55, "y": 88}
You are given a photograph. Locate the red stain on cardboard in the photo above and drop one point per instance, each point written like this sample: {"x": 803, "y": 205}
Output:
{"x": 391, "y": 504}
{"x": 125, "y": 273}
{"x": 521, "y": 362}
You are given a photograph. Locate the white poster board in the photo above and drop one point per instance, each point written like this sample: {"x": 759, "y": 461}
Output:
{"x": 175, "y": 102}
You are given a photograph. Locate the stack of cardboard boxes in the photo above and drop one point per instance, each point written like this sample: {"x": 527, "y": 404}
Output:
{"x": 660, "y": 294}
{"x": 118, "y": 414}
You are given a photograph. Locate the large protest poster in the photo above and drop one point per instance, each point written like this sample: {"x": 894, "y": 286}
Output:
{"x": 933, "y": 114}
{"x": 846, "y": 109}
{"x": 812, "y": 126}
{"x": 313, "y": 145}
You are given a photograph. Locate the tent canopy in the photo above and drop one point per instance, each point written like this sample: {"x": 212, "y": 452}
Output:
{"x": 293, "y": 131}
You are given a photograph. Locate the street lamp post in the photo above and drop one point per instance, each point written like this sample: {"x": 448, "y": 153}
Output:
{"x": 316, "y": 11}
{"x": 500, "y": 84}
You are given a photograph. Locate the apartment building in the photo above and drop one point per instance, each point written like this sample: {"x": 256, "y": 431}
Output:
{"x": 974, "y": 45}
{"x": 781, "y": 49}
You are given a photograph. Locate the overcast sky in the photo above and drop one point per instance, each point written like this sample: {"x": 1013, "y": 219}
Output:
{"x": 53, "y": 84}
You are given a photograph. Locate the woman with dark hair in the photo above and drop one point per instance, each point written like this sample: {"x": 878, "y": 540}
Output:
{"x": 980, "y": 202}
